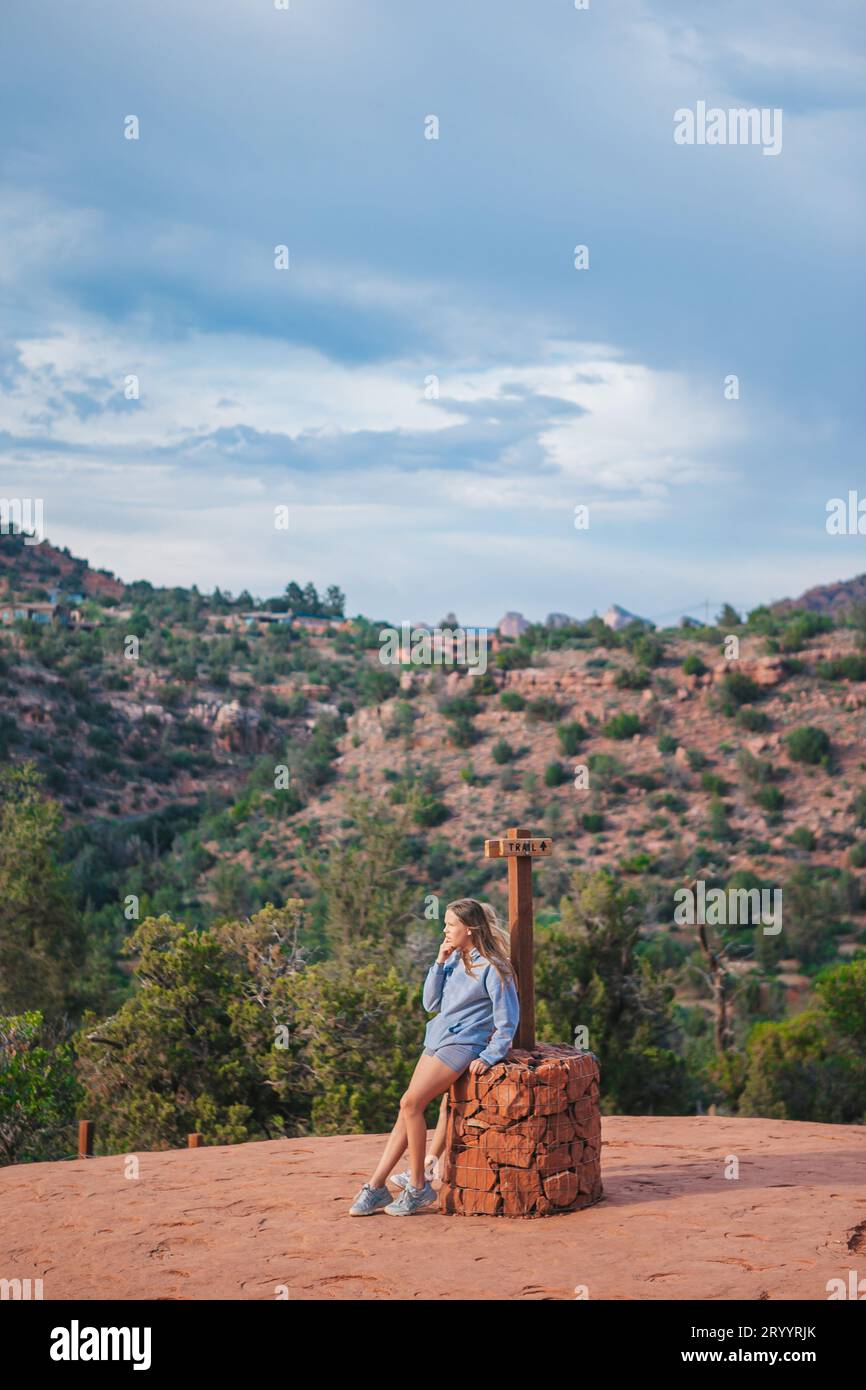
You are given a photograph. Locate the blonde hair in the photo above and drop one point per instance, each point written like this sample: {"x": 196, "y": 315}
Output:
{"x": 487, "y": 935}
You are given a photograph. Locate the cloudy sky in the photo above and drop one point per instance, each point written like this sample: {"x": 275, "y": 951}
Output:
{"x": 432, "y": 387}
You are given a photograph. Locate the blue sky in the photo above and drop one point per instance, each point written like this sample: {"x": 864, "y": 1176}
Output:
{"x": 412, "y": 258}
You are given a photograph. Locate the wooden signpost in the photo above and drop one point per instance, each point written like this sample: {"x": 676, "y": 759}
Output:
{"x": 519, "y": 848}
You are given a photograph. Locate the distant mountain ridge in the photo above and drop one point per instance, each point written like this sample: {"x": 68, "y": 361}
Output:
{"x": 827, "y": 598}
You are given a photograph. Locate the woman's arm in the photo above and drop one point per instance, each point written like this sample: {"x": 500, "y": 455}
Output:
{"x": 506, "y": 1015}
{"x": 432, "y": 996}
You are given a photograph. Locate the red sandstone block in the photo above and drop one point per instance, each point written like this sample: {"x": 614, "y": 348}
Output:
{"x": 515, "y": 1146}
{"x": 579, "y": 1152}
{"x": 481, "y": 1203}
{"x": 507, "y": 1102}
{"x": 561, "y": 1188}
{"x": 549, "y": 1100}
{"x": 471, "y": 1169}
{"x": 450, "y": 1200}
{"x": 520, "y": 1188}
{"x": 559, "y": 1130}
{"x": 582, "y": 1111}
{"x": 551, "y": 1073}
{"x": 554, "y": 1160}
{"x": 588, "y": 1177}
{"x": 578, "y": 1083}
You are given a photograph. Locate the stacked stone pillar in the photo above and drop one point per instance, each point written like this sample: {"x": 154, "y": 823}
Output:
{"x": 524, "y": 1137}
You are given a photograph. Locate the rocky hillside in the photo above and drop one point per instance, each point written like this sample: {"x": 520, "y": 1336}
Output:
{"x": 32, "y": 570}
{"x": 195, "y": 763}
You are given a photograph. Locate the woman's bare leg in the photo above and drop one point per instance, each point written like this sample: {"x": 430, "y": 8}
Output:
{"x": 438, "y": 1144}
{"x": 392, "y": 1153}
{"x": 429, "y": 1079}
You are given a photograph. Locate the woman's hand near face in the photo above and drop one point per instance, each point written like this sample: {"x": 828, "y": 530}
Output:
{"x": 444, "y": 952}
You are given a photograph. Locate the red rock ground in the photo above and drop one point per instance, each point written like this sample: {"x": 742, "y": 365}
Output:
{"x": 238, "y": 1222}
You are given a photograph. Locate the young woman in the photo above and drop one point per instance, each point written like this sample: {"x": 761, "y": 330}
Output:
{"x": 472, "y": 985}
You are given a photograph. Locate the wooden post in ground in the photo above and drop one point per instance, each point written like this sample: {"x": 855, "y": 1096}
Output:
{"x": 518, "y": 847}
{"x": 85, "y": 1138}
{"x": 194, "y": 1141}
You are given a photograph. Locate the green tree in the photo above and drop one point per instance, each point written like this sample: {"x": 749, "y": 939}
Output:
{"x": 813, "y": 1066}
{"x": 363, "y": 880}
{"x": 811, "y": 915}
{"x": 295, "y": 595}
{"x": 41, "y": 941}
{"x": 190, "y": 1049}
{"x": 362, "y": 1025}
{"x": 728, "y": 617}
{"x": 38, "y": 1090}
{"x": 335, "y": 601}
{"x": 589, "y": 973}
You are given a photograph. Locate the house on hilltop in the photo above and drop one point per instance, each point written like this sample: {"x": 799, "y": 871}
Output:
{"x": 17, "y": 610}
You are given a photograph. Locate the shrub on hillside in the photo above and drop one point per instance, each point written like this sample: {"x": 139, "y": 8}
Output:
{"x": 802, "y": 838}
{"x": 428, "y": 810}
{"x": 843, "y": 668}
{"x": 756, "y": 771}
{"x": 605, "y": 769}
{"x": 542, "y": 709}
{"x": 511, "y": 700}
{"x": 808, "y": 744}
{"x": 633, "y": 678}
{"x": 738, "y": 689}
{"x": 462, "y": 732}
{"x": 693, "y": 665}
{"x": 375, "y": 684}
{"x": 711, "y": 782}
{"x": 770, "y": 799}
{"x": 755, "y": 720}
{"x": 798, "y": 630}
{"x": 719, "y": 826}
{"x": 570, "y": 737}
{"x": 622, "y": 726}
{"x": 646, "y": 648}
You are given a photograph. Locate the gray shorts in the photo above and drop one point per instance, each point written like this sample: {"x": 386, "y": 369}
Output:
{"x": 455, "y": 1055}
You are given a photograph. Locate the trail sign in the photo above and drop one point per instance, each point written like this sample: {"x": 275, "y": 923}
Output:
{"x": 505, "y": 849}
{"x": 519, "y": 848}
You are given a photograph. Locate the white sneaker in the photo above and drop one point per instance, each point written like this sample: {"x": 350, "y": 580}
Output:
{"x": 431, "y": 1171}
{"x": 412, "y": 1199}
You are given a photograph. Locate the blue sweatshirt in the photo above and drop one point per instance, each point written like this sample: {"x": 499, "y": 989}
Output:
{"x": 471, "y": 1009}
